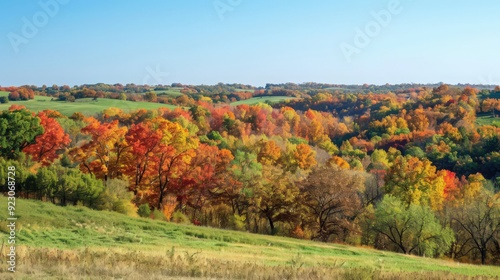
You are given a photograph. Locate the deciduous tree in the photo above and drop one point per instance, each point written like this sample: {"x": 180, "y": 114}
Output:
{"x": 333, "y": 198}
{"x": 275, "y": 198}
{"x": 47, "y": 145}
{"x": 103, "y": 155}
{"x": 479, "y": 218}
{"x": 415, "y": 181}
{"x": 411, "y": 229}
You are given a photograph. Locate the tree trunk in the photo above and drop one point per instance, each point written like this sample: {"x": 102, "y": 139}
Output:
{"x": 271, "y": 224}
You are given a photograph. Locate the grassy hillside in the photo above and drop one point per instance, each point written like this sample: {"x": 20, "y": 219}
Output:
{"x": 262, "y": 99}
{"x": 172, "y": 92}
{"x": 87, "y": 106}
{"x": 487, "y": 120}
{"x": 77, "y": 243}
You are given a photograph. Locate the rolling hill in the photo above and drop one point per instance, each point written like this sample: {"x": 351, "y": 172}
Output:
{"x": 86, "y": 106}
{"x": 263, "y": 99}
{"x": 75, "y": 242}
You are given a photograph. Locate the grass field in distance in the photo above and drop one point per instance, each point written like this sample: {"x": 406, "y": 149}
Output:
{"x": 86, "y": 106}
{"x": 263, "y": 99}
{"x": 172, "y": 92}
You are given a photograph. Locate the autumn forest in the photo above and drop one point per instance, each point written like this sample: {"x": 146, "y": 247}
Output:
{"x": 408, "y": 168}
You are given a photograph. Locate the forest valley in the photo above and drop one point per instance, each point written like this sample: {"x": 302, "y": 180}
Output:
{"x": 405, "y": 168}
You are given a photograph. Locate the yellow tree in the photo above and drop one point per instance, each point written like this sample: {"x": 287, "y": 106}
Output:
{"x": 104, "y": 153}
{"x": 174, "y": 151}
{"x": 474, "y": 186}
{"x": 415, "y": 181}
{"x": 292, "y": 118}
{"x": 417, "y": 120}
{"x": 316, "y": 131}
{"x": 275, "y": 198}
{"x": 304, "y": 156}
{"x": 269, "y": 153}
{"x": 338, "y": 161}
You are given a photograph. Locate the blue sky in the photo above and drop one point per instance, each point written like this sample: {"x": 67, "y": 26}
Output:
{"x": 249, "y": 41}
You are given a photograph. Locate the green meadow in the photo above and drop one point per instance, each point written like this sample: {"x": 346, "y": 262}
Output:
{"x": 86, "y": 106}
{"x": 171, "y": 92}
{"x": 75, "y": 242}
{"x": 263, "y": 99}
{"x": 487, "y": 119}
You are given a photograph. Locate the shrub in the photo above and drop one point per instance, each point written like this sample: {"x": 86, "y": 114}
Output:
{"x": 14, "y": 96}
{"x": 158, "y": 215}
{"x": 237, "y": 222}
{"x": 179, "y": 218}
{"x": 119, "y": 206}
{"x": 144, "y": 211}
{"x": 298, "y": 232}
{"x": 116, "y": 197}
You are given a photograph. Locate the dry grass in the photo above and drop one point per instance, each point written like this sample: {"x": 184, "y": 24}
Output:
{"x": 78, "y": 243}
{"x": 119, "y": 263}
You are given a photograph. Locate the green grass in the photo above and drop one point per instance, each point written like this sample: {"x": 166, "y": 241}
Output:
{"x": 76, "y": 233}
{"x": 263, "y": 99}
{"x": 172, "y": 92}
{"x": 487, "y": 119}
{"x": 86, "y": 106}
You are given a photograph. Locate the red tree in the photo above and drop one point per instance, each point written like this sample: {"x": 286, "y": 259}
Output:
{"x": 48, "y": 144}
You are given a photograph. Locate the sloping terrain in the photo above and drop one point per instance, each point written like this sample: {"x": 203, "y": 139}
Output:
{"x": 78, "y": 243}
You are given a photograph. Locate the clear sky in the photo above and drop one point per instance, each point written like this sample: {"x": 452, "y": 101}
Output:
{"x": 249, "y": 41}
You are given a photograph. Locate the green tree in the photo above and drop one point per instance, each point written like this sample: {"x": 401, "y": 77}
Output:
{"x": 88, "y": 188}
{"x": 379, "y": 160}
{"x": 67, "y": 185}
{"x": 46, "y": 180}
{"x": 21, "y": 174}
{"x": 247, "y": 172}
{"x": 417, "y": 152}
{"x": 144, "y": 210}
{"x": 411, "y": 230}
{"x": 116, "y": 197}
{"x": 18, "y": 129}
